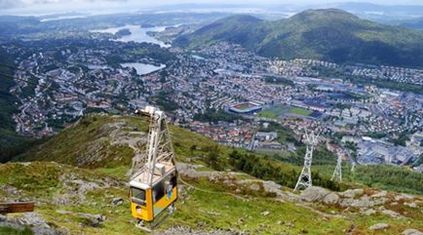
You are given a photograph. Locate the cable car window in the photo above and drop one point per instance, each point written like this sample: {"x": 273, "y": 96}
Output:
{"x": 138, "y": 193}
{"x": 158, "y": 191}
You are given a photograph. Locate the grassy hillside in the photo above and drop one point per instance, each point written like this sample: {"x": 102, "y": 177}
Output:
{"x": 329, "y": 34}
{"x": 67, "y": 197}
{"x": 94, "y": 157}
{"x": 107, "y": 143}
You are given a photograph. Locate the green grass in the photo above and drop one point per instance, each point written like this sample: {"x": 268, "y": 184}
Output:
{"x": 268, "y": 114}
{"x": 216, "y": 208}
{"x": 13, "y": 231}
{"x": 273, "y": 112}
{"x": 276, "y": 111}
{"x": 300, "y": 111}
{"x": 222, "y": 211}
{"x": 200, "y": 210}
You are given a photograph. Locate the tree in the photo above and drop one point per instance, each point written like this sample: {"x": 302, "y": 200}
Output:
{"x": 212, "y": 158}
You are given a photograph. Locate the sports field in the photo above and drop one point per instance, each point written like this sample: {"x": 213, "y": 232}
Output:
{"x": 300, "y": 111}
{"x": 277, "y": 111}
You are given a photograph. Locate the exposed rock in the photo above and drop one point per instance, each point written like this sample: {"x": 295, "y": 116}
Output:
{"x": 190, "y": 231}
{"x": 404, "y": 196}
{"x": 35, "y": 221}
{"x": 352, "y": 193}
{"x": 10, "y": 190}
{"x": 411, "y": 204}
{"x": 380, "y": 194}
{"x": 117, "y": 201}
{"x": 331, "y": 198}
{"x": 369, "y": 212}
{"x": 412, "y": 232}
{"x": 255, "y": 187}
{"x": 364, "y": 202}
{"x": 93, "y": 220}
{"x": 2, "y": 218}
{"x": 265, "y": 213}
{"x": 380, "y": 226}
{"x": 379, "y": 201}
{"x": 313, "y": 194}
{"x": 393, "y": 214}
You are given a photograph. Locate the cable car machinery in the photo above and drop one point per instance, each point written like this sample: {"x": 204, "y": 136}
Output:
{"x": 153, "y": 186}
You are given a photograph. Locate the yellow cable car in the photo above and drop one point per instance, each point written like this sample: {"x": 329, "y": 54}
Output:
{"x": 153, "y": 188}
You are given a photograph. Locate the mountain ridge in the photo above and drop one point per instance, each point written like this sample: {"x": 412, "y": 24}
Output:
{"x": 327, "y": 34}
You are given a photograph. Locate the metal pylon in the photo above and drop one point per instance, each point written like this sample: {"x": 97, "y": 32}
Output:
{"x": 337, "y": 173}
{"x": 305, "y": 181}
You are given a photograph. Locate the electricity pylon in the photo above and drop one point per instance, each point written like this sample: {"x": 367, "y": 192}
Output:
{"x": 304, "y": 181}
{"x": 337, "y": 173}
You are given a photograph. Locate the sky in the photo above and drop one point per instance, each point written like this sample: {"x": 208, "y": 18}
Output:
{"x": 55, "y": 6}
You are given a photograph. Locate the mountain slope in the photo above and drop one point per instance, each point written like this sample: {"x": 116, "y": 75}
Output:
{"x": 414, "y": 24}
{"x": 79, "y": 199}
{"x": 11, "y": 143}
{"x": 328, "y": 34}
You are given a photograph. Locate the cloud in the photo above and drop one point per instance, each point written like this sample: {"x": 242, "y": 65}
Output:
{"x": 6, "y": 4}
{"x": 68, "y": 4}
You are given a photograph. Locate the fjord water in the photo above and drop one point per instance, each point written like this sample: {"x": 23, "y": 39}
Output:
{"x": 138, "y": 34}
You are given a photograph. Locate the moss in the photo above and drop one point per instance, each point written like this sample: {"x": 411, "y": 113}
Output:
{"x": 36, "y": 178}
{"x": 13, "y": 231}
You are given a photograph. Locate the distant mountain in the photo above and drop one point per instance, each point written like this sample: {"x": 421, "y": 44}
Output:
{"x": 414, "y": 24}
{"x": 328, "y": 34}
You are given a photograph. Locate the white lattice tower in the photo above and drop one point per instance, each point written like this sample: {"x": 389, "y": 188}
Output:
{"x": 337, "y": 173}
{"x": 159, "y": 147}
{"x": 305, "y": 181}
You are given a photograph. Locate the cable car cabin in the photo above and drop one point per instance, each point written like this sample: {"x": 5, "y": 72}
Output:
{"x": 147, "y": 202}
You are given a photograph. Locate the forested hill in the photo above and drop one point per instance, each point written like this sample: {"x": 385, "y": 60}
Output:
{"x": 11, "y": 143}
{"x": 328, "y": 34}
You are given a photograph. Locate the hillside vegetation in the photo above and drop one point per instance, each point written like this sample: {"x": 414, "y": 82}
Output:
{"x": 221, "y": 188}
{"x": 329, "y": 34}
{"x": 11, "y": 143}
{"x": 110, "y": 142}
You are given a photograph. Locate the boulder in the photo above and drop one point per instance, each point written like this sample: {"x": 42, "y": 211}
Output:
{"x": 93, "y": 220}
{"x": 411, "y": 204}
{"x": 265, "y": 213}
{"x": 331, "y": 198}
{"x": 404, "y": 196}
{"x": 364, "y": 202}
{"x": 393, "y": 214}
{"x": 352, "y": 193}
{"x": 117, "y": 201}
{"x": 369, "y": 212}
{"x": 255, "y": 187}
{"x": 313, "y": 194}
{"x": 412, "y": 232}
{"x": 380, "y": 194}
{"x": 380, "y": 226}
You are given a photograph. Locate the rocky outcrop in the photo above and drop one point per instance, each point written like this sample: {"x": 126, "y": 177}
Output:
{"x": 33, "y": 221}
{"x": 412, "y": 232}
{"x": 314, "y": 194}
{"x": 380, "y": 226}
{"x": 188, "y": 231}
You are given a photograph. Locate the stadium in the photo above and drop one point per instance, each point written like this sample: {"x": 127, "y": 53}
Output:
{"x": 246, "y": 108}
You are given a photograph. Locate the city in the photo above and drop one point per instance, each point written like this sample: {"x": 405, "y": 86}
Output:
{"x": 373, "y": 124}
